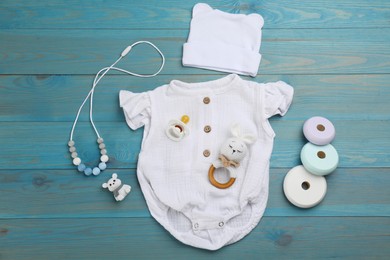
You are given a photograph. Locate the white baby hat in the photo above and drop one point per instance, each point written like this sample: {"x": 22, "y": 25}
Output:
{"x": 223, "y": 41}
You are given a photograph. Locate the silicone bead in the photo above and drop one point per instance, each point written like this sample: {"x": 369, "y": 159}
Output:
{"x": 88, "y": 171}
{"x": 81, "y": 167}
{"x": 72, "y": 149}
{"x": 102, "y": 146}
{"x": 103, "y": 151}
{"x": 71, "y": 143}
{"x": 319, "y": 130}
{"x": 76, "y": 161}
{"x": 100, "y": 140}
{"x": 74, "y": 155}
{"x": 319, "y": 160}
{"x": 102, "y": 166}
{"x": 96, "y": 171}
{"x": 104, "y": 158}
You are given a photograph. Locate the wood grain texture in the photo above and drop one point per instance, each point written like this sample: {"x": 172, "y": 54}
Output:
{"x": 285, "y": 51}
{"x": 336, "y": 55}
{"x": 51, "y": 194}
{"x": 141, "y": 238}
{"x": 365, "y": 95}
{"x": 43, "y": 145}
{"x": 299, "y": 51}
{"x": 17, "y": 14}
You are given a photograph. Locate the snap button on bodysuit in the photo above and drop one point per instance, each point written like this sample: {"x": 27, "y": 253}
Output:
{"x": 207, "y": 129}
{"x": 206, "y": 153}
{"x": 206, "y": 100}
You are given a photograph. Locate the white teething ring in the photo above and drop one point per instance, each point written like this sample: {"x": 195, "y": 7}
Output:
{"x": 217, "y": 184}
{"x": 303, "y": 189}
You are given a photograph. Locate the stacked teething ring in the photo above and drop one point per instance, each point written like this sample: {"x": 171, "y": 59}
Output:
{"x": 305, "y": 185}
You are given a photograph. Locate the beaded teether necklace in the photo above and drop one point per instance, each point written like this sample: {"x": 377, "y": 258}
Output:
{"x": 81, "y": 167}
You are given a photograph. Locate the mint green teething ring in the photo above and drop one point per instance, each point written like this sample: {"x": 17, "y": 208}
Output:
{"x": 319, "y": 159}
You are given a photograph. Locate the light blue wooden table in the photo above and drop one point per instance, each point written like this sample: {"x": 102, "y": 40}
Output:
{"x": 336, "y": 54}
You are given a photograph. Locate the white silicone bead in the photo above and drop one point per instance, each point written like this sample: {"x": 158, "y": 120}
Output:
{"x": 100, "y": 140}
{"x": 74, "y": 155}
{"x": 104, "y": 158}
{"x": 102, "y": 146}
{"x": 103, "y": 151}
{"x": 102, "y": 166}
{"x": 76, "y": 161}
{"x": 96, "y": 171}
{"x": 71, "y": 143}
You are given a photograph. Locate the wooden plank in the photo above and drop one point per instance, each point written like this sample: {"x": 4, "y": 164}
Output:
{"x": 299, "y": 51}
{"x": 53, "y": 194}
{"x": 286, "y": 237}
{"x": 133, "y": 14}
{"x": 57, "y": 97}
{"x": 43, "y": 145}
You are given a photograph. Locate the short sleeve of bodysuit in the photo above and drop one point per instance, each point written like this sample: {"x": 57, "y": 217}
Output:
{"x": 136, "y": 107}
{"x": 277, "y": 98}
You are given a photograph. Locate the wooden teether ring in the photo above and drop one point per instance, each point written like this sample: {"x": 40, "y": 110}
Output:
{"x": 217, "y": 184}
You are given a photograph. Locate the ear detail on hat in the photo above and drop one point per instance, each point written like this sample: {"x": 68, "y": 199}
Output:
{"x": 256, "y": 19}
{"x": 201, "y": 8}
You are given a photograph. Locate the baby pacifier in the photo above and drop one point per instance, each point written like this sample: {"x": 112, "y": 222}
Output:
{"x": 178, "y": 129}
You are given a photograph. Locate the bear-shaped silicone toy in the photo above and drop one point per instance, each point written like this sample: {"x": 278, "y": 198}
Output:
{"x": 115, "y": 185}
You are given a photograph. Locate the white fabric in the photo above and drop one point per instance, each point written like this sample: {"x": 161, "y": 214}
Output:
{"x": 174, "y": 175}
{"x": 223, "y": 41}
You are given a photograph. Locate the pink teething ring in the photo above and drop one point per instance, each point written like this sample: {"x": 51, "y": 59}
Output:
{"x": 319, "y": 130}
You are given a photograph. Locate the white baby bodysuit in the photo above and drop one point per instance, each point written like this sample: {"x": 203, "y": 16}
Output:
{"x": 173, "y": 174}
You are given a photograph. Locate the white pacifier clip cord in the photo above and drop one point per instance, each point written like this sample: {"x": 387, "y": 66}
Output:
{"x": 104, "y": 158}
